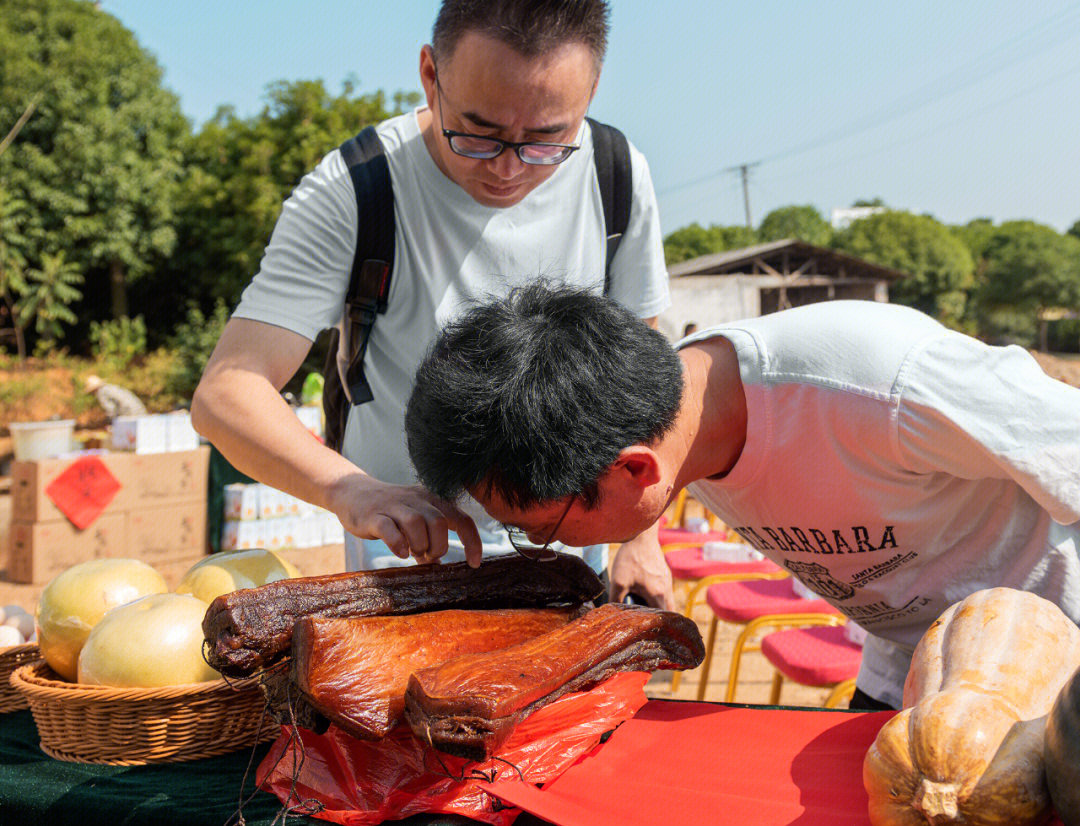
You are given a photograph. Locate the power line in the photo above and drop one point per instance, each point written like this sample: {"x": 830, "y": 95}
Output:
{"x": 934, "y": 129}
{"x": 950, "y": 83}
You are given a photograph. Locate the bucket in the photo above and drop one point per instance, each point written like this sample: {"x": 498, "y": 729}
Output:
{"x": 31, "y": 441}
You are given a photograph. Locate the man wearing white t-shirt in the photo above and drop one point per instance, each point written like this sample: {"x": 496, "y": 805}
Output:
{"x": 891, "y": 464}
{"x": 494, "y": 187}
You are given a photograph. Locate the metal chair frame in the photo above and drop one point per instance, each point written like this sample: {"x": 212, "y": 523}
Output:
{"x": 696, "y": 586}
{"x": 743, "y": 643}
{"x": 840, "y": 692}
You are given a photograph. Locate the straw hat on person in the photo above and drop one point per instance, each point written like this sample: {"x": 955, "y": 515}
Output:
{"x": 93, "y": 383}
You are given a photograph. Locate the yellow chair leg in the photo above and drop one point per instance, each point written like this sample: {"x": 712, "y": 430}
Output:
{"x": 769, "y": 621}
{"x": 841, "y": 693}
{"x": 709, "y": 643}
{"x": 736, "y": 659}
{"x": 777, "y": 682}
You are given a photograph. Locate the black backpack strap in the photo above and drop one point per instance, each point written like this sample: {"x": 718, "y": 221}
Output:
{"x": 611, "y": 153}
{"x": 369, "y": 281}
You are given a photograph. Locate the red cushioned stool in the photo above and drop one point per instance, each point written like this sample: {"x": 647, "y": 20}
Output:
{"x": 816, "y": 656}
{"x": 688, "y": 564}
{"x": 670, "y": 536}
{"x": 757, "y": 604}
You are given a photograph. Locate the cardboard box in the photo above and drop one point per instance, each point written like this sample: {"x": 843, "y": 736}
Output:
{"x": 145, "y": 481}
{"x": 162, "y": 535}
{"x": 322, "y": 559}
{"x": 40, "y": 550}
{"x": 142, "y": 434}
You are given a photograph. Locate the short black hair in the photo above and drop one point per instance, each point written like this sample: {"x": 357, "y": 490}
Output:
{"x": 535, "y": 395}
{"x": 531, "y": 27}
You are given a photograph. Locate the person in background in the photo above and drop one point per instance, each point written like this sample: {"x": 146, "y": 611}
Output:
{"x": 115, "y": 400}
{"x": 494, "y": 186}
{"x": 892, "y": 465}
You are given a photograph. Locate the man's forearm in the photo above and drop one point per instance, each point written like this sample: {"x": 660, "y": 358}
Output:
{"x": 247, "y": 419}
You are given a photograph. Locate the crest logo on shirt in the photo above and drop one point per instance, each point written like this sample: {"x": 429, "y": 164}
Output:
{"x": 819, "y": 580}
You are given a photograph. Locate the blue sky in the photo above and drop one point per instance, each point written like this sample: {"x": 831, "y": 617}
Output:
{"x": 959, "y": 109}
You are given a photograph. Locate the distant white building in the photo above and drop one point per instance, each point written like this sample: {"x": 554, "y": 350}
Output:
{"x": 762, "y": 279}
{"x": 843, "y": 216}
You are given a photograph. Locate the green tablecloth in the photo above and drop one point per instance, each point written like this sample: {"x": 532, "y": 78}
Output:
{"x": 36, "y": 790}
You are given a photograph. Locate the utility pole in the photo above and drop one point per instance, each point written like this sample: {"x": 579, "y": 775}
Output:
{"x": 744, "y": 169}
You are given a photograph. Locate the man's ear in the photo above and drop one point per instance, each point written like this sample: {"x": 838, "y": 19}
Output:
{"x": 637, "y": 466}
{"x": 427, "y": 74}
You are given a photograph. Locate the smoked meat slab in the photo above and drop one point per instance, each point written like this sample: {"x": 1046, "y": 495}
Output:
{"x": 251, "y": 628}
{"x": 469, "y": 705}
{"x": 354, "y": 671}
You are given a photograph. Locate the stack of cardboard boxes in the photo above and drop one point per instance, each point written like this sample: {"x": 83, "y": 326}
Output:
{"x": 159, "y": 511}
{"x": 260, "y": 516}
{"x": 157, "y": 514}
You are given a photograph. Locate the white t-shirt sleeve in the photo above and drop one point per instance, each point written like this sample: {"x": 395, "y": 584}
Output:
{"x": 304, "y": 272}
{"x": 639, "y": 279}
{"x": 976, "y": 411}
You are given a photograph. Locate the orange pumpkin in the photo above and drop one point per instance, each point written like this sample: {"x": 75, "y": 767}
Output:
{"x": 968, "y": 746}
{"x": 1062, "y": 752}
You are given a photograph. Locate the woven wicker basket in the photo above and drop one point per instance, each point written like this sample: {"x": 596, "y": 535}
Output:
{"x": 10, "y": 659}
{"x": 136, "y": 726}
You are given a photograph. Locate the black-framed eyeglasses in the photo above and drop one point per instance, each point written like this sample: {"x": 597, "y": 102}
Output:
{"x": 519, "y": 540}
{"x": 479, "y": 147}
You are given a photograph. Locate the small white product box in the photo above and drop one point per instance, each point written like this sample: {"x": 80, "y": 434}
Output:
{"x": 729, "y": 552}
{"x": 179, "y": 434}
{"x": 288, "y": 529}
{"x": 242, "y": 535}
{"x": 274, "y": 536}
{"x": 241, "y": 501}
{"x": 333, "y": 533}
{"x": 697, "y": 524}
{"x": 265, "y": 496}
{"x": 309, "y": 530}
{"x": 142, "y": 434}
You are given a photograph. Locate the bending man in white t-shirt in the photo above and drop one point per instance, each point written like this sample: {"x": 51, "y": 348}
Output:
{"x": 504, "y": 79}
{"x": 892, "y": 465}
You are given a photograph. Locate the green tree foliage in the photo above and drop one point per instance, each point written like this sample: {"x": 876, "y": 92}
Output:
{"x": 97, "y": 162}
{"x": 119, "y": 341}
{"x": 976, "y": 235}
{"x": 13, "y": 284}
{"x": 802, "y": 222}
{"x": 50, "y": 291}
{"x": 191, "y": 345}
{"x": 1028, "y": 267}
{"x": 1074, "y": 230}
{"x": 239, "y": 172}
{"x": 940, "y": 266}
{"x": 694, "y": 240}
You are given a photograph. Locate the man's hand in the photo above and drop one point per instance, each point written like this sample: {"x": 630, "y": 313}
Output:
{"x": 410, "y": 520}
{"x": 639, "y": 567}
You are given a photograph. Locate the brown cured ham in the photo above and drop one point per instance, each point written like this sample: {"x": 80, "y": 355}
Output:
{"x": 469, "y": 705}
{"x": 250, "y": 629}
{"x": 355, "y": 671}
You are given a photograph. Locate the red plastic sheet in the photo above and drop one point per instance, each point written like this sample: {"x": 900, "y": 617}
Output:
{"x": 691, "y": 763}
{"x": 359, "y": 782}
{"x": 679, "y": 762}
